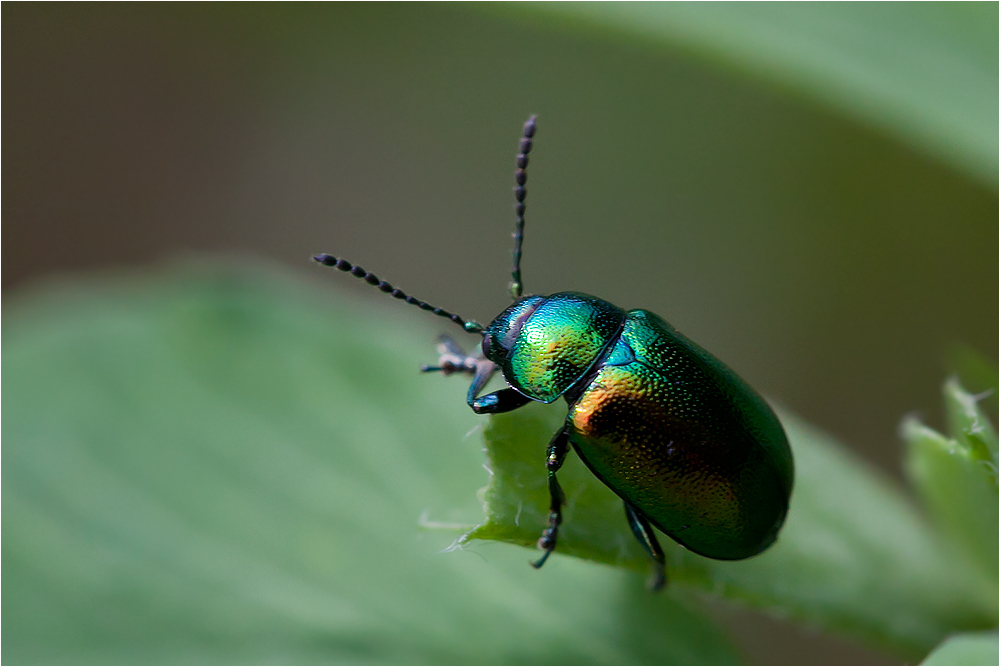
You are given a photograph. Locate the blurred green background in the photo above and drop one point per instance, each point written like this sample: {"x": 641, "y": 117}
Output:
{"x": 809, "y": 191}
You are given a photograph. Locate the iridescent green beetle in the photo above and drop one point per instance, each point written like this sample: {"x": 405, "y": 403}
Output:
{"x": 688, "y": 446}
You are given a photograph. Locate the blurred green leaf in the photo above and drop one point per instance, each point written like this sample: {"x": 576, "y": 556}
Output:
{"x": 973, "y": 648}
{"x": 976, "y": 372}
{"x": 968, "y": 424}
{"x": 957, "y": 478}
{"x": 222, "y": 468}
{"x": 854, "y": 556}
{"x": 925, "y": 73}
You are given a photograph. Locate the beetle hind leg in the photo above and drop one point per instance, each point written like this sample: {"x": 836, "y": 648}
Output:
{"x": 556, "y": 454}
{"x": 643, "y": 532}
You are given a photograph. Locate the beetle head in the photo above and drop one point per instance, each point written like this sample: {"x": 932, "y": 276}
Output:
{"x": 545, "y": 344}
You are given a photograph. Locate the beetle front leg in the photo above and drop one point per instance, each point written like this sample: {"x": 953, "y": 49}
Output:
{"x": 556, "y": 454}
{"x": 643, "y": 532}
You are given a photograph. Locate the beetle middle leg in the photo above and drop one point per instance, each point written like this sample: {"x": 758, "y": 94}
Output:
{"x": 556, "y": 454}
{"x": 643, "y": 532}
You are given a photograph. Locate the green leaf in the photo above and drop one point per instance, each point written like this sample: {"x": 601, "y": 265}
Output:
{"x": 973, "y": 648}
{"x": 213, "y": 467}
{"x": 976, "y": 372}
{"x": 968, "y": 424}
{"x": 957, "y": 479}
{"x": 854, "y": 556}
{"x": 925, "y": 73}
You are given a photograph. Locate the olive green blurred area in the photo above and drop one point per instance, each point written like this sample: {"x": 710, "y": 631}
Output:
{"x": 810, "y": 193}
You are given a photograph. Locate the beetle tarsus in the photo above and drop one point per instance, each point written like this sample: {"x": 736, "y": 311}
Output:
{"x": 643, "y": 532}
{"x": 658, "y": 580}
{"x": 537, "y": 564}
{"x": 452, "y": 359}
{"x": 503, "y": 400}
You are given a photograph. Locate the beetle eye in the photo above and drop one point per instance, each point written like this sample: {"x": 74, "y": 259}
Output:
{"x": 486, "y": 346}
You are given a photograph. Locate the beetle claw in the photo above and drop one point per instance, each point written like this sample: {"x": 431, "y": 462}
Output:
{"x": 658, "y": 580}
{"x": 541, "y": 561}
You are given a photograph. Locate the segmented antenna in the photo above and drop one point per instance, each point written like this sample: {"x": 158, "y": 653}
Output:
{"x": 521, "y": 177}
{"x": 372, "y": 279}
